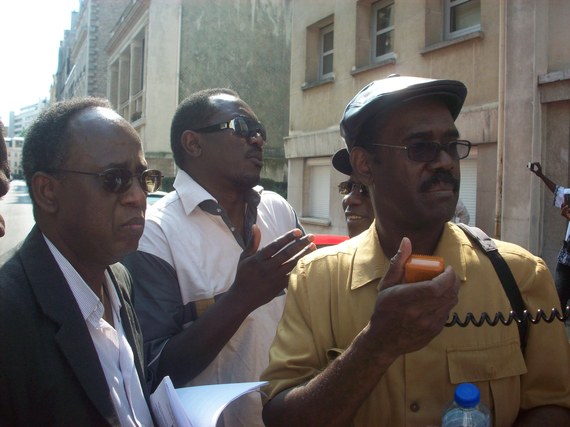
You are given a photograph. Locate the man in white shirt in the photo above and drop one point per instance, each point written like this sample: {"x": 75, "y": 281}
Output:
{"x": 71, "y": 345}
{"x": 206, "y": 319}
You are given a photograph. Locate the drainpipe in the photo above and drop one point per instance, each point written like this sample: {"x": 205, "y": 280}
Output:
{"x": 501, "y": 118}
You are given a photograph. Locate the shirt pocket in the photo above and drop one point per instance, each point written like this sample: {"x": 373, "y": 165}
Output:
{"x": 496, "y": 369}
{"x": 485, "y": 363}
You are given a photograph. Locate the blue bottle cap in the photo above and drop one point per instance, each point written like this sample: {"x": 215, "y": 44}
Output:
{"x": 467, "y": 395}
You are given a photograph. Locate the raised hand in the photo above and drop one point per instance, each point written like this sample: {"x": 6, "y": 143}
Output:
{"x": 264, "y": 274}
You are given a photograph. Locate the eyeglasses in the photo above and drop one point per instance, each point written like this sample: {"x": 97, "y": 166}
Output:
{"x": 117, "y": 180}
{"x": 242, "y": 126}
{"x": 346, "y": 187}
{"x": 427, "y": 151}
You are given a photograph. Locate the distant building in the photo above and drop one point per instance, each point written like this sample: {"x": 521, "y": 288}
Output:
{"x": 82, "y": 66}
{"x": 20, "y": 121}
{"x": 14, "y": 146}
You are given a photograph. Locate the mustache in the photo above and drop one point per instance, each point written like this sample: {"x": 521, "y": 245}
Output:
{"x": 439, "y": 177}
{"x": 254, "y": 151}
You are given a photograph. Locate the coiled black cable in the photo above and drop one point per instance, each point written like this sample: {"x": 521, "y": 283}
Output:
{"x": 499, "y": 317}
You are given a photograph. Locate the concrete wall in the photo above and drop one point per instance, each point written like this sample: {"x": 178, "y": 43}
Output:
{"x": 161, "y": 85}
{"x": 244, "y": 45}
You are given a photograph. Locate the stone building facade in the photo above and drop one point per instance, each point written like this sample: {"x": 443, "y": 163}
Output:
{"x": 82, "y": 67}
{"x": 512, "y": 55}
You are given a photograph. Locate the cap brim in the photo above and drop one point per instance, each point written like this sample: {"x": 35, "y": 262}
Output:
{"x": 341, "y": 161}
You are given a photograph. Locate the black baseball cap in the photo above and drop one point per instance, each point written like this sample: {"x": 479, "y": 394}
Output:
{"x": 380, "y": 96}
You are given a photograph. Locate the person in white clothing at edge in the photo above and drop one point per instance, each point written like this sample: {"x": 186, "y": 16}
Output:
{"x": 206, "y": 319}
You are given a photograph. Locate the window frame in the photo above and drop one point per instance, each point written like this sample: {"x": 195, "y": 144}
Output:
{"x": 375, "y": 32}
{"x": 310, "y": 189}
{"x": 323, "y": 31}
{"x": 449, "y": 5}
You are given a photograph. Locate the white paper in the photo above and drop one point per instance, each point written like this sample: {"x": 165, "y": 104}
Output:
{"x": 198, "y": 406}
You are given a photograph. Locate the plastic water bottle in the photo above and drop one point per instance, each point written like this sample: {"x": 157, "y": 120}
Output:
{"x": 466, "y": 409}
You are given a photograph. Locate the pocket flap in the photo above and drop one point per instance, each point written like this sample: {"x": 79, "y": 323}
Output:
{"x": 472, "y": 364}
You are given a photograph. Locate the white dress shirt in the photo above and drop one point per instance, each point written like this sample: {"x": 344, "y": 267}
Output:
{"x": 113, "y": 349}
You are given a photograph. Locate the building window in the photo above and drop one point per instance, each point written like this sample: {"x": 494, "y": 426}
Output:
{"x": 319, "y": 53}
{"x": 382, "y": 27}
{"x": 462, "y": 17}
{"x": 326, "y": 52}
{"x": 317, "y": 189}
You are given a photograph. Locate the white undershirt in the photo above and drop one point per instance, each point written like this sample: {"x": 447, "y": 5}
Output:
{"x": 113, "y": 349}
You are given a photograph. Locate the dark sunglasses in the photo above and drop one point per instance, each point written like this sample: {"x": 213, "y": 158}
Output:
{"x": 242, "y": 126}
{"x": 346, "y": 187}
{"x": 117, "y": 180}
{"x": 427, "y": 151}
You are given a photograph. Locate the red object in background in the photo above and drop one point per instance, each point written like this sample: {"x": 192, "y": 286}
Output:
{"x": 328, "y": 239}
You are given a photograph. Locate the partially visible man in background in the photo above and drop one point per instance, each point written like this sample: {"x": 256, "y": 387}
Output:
{"x": 356, "y": 203}
{"x": 4, "y": 174}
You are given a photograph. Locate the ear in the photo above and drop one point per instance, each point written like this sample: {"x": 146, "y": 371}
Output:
{"x": 361, "y": 161}
{"x": 44, "y": 189}
{"x": 190, "y": 141}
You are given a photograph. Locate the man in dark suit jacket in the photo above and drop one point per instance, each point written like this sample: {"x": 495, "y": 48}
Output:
{"x": 71, "y": 345}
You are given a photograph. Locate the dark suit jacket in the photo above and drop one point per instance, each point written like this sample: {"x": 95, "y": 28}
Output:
{"x": 50, "y": 373}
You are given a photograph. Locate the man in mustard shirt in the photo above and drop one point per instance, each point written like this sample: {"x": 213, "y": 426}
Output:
{"x": 357, "y": 346}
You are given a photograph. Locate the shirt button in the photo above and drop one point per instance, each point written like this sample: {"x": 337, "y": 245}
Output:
{"x": 414, "y": 407}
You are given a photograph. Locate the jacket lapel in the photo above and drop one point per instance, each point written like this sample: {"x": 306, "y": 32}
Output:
{"x": 129, "y": 322}
{"x": 58, "y": 303}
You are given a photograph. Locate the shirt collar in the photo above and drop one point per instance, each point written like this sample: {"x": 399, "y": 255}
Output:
{"x": 370, "y": 263}
{"x": 89, "y": 304}
{"x": 192, "y": 194}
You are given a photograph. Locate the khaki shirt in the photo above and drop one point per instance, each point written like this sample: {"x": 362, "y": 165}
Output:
{"x": 331, "y": 297}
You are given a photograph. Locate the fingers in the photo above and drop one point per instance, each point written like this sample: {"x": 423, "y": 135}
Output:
{"x": 281, "y": 242}
{"x": 290, "y": 264}
{"x": 395, "y": 273}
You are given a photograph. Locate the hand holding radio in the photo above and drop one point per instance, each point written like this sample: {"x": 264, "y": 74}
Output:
{"x": 407, "y": 316}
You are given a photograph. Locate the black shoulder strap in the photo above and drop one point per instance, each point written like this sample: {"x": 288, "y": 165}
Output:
{"x": 504, "y": 273}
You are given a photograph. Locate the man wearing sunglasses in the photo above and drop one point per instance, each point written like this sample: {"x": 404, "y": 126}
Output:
{"x": 356, "y": 203}
{"x": 208, "y": 302}
{"x": 358, "y": 346}
{"x": 71, "y": 345}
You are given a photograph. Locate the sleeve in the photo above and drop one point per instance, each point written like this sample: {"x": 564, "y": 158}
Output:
{"x": 158, "y": 305}
{"x": 282, "y": 212}
{"x": 294, "y": 354}
{"x": 547, "y": 355}
{"x": 558, "y": 198}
